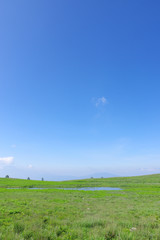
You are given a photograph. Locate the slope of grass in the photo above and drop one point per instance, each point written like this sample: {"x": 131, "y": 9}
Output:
{"x": 123, "y": 182}
{"x": 132, "y": 213}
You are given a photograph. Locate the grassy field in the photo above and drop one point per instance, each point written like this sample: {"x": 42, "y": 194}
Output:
{"x": 131, "y": 213}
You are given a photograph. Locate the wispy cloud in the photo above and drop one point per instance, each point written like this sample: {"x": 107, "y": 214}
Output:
{"x": 6, "y": 160}
{"x": 13, "y": 146}
{"x": 149, "y": 169}
{"x": 99, "y": 101}
{"x": 30, "y": 166}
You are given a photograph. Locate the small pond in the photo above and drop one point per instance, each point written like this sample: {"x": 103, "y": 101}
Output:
{"x": 83, "y": 188}
{"x": 92, "y": 188}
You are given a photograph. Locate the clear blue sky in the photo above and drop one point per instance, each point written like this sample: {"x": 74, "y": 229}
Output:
{"x": 79, "y": 87}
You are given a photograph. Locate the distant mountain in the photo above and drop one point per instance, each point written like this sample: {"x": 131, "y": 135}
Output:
{"x": 101, "y": 174}
{"x": 94, "y": 175}
{"x": 57, "y": 177}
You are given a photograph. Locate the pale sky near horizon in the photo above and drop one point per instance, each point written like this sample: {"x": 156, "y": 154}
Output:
{"x": 79, "y": 88}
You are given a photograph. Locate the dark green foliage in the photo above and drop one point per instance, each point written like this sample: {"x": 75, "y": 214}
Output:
{"x": 14, "y": 212}
{"x": 19, "y": 227}
{"x": 28, "y": 235}
{"x": 45, "y": 220}
{"x": 61, "y": 230}
{"x": 110, "y": 235}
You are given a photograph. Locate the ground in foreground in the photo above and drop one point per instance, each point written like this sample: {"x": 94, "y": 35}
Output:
{"x": 132, "y": 213}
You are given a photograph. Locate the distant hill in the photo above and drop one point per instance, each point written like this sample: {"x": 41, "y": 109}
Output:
{"x": 94, "y": 175}
{"x": 103, "y": 174}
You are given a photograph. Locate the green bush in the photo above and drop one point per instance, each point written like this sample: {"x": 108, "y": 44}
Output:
{"x": 110, "y": 235}
{"x": 28, "y": 235}
{"x": 18, "y": 227}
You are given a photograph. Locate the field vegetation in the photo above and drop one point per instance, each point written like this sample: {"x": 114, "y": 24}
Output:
{"x": 128, "y": 214}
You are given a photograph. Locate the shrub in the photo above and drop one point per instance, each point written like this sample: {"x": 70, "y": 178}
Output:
{"x": 28, "y": 235}
{"x": 110, "y": 235}
{"x": 18, "y": 227}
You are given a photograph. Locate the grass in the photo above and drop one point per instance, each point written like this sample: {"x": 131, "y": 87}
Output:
{"x": 129, "y": 214}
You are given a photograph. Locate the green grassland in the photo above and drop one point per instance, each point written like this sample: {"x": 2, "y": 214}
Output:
{"x": 127, "y": 214}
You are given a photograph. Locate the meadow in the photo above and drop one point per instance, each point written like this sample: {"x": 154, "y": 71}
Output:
{"x": 128, "y": 214}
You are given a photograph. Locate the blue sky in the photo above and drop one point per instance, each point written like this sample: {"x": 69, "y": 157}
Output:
{"x": 79, "y": 88}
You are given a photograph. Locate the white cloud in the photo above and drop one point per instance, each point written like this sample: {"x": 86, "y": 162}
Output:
{"x": 30, "y": 166}
{"x": 100, "y": 101}
{"x": 6, "y": 160}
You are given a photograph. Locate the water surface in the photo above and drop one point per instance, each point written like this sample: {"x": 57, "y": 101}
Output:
{"x": 83, "y": 188}
{"x": 92, "y": 188}
{"x": 80, "y": 188}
